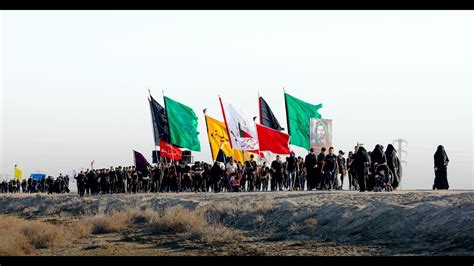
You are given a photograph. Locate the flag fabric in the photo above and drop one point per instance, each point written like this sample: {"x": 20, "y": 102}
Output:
{"x": 169, "y": 151}
{"x": 240, "y": 128}
{"x": 160, "y": 122}
{"x": 37, "y": 176}
{"x": 273, "y": 140}
{"x": 298, "y": 114}
{"x": 218, "y": 138}
{"x": 18, "y": 173}
{"x": 183, "y": 124}
{"x": 92, "y": 164}
{"x": 141, "y": 164}
{"x": 219, "y": 142}
{"x": 267, "y": 118}
{"x": 72, "y": 174}
{"x": 268, "y": 157}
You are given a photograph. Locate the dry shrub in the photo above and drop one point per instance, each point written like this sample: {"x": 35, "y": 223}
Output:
{"x": 311, "y": 223}
{"x": 23, "y": 237}
{"x": 81, "y": 227}
{"x": 43, "y": 235}
{"x": 109, "y": 223}
{"x": 142, "y": 217}
{"x": 177, "y": 219}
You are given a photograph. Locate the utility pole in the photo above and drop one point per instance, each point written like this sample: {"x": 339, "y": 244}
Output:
{"x": 400, "y": 151}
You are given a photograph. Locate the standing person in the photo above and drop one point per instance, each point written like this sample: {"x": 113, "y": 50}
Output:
{"x": 377, "y": 157}
{"x": 394, "y": 165}
{"x": 350, "y": 171}
{"x": 251, "y": 173}
{"x": 341, "y": 164}
{"x": 310, "y": 167}
{"x": 230, "y": 170}
{"x": 300, "y": 174}
{"x": 291, "y": 170}
{"x": 81, "y": 182}
{"x": 441, "y": 161}
{"x": 23, "y": 185}
{"x": 330, "y": 169}
{"x": 277, "y": 174}
{"x": 264, "y": 176}
{"x": 66, "y": 184}
{"x": 361, "y": 164}
{"x": 320, "y": 182}
{"x": 215, "y": 176}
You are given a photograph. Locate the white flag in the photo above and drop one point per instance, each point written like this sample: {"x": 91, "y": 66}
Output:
{"x": 242, "y": 132}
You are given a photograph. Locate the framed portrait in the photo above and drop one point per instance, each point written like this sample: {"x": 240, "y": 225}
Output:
{"x": 320, "y": 134}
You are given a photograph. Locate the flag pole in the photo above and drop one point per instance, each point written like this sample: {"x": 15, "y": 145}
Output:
{"x": 207, "y": 128}
{"x": 255, "y": 124}
{"x": 167, "y": 119}
{"x": 153, "y": 127}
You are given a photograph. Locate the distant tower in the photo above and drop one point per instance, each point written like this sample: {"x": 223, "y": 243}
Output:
{"x": 400, "y": 150}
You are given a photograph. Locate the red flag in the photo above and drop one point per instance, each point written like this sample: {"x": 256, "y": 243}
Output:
{"x": 273, "y": 140}
{"x": 169, "y": 151}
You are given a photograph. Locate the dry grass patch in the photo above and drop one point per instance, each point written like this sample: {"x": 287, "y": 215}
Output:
{"x": 193, "y": 223}
{"x": 109, "y": 223}
{"x": 23, "y": 237}
{"x": 311, "y": 223}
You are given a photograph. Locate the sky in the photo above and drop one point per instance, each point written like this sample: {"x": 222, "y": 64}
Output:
{"x": 75, "y": 83}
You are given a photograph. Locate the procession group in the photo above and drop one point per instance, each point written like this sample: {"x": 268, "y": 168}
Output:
{"x": 364, "y": 171}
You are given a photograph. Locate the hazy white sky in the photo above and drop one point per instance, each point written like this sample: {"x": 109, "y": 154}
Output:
{"x": 74, "y": 83}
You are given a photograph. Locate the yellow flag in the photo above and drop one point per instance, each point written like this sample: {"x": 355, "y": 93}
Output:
{"x": 219, "y": 140}
{"x": 18, "y": 172}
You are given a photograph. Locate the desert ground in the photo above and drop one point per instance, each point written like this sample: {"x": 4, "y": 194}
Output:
{"x": 320, "y": 223}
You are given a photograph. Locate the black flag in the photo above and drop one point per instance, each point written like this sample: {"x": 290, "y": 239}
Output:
{"x": 160, "y": 122}
{"x": 267, "y": 118}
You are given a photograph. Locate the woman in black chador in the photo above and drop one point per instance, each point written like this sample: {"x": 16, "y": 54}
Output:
{"x": 394, "y": 165}
{"x": 441, "y": 161}
{"x": 377, "y": 157}
{"x": 361, "y": 166}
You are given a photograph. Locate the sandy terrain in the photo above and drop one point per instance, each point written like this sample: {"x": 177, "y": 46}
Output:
{"x": 262, "y": 223}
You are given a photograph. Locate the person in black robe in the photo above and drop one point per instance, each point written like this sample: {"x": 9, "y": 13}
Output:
{"x": 319, "y": 181}
{"x": 310, "y": 164}
{"x": 215, "y": 176}
{"x": 441, "y": 161}
{"x": 277, "y": 174}
{"x": 81, "y": 182}
{"x": 394, "y": 165}
{"x": 361, "y": 164}
{"x": 251, "y": 173}
{"x": 377, "y": 157}
{"x": 330, "y": 169}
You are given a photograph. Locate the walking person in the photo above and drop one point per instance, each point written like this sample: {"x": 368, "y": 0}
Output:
{"x": 361, "y": 164}
{"x": 341, "y": 164}
{"x": 441, "y": 161}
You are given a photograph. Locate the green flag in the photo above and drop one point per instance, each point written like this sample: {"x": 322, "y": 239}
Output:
{"x": 298, "y": 114}
{"x": 183, "y": 124}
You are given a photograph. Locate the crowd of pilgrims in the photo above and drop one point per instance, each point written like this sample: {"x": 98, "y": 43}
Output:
{"x": 48, "y": 185}
{"x": 366, "y": 171}
{"x": 377, "y": 170}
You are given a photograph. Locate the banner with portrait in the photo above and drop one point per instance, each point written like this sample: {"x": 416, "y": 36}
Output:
{"x": 320, "y": 133}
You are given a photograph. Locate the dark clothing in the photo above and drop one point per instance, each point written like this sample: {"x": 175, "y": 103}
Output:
{"x": 441, "y": 172}
{"x": 277, "y": 175}
{"x": 361, "y": 163}
{"x": 394, "y": 165}
{"x": 341, "y": 163}
{"x": 291, "y": 163}
{"x": 319, "y": 181}
{"x": 331, "y": 161}
{"x": 311, "y": 172}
